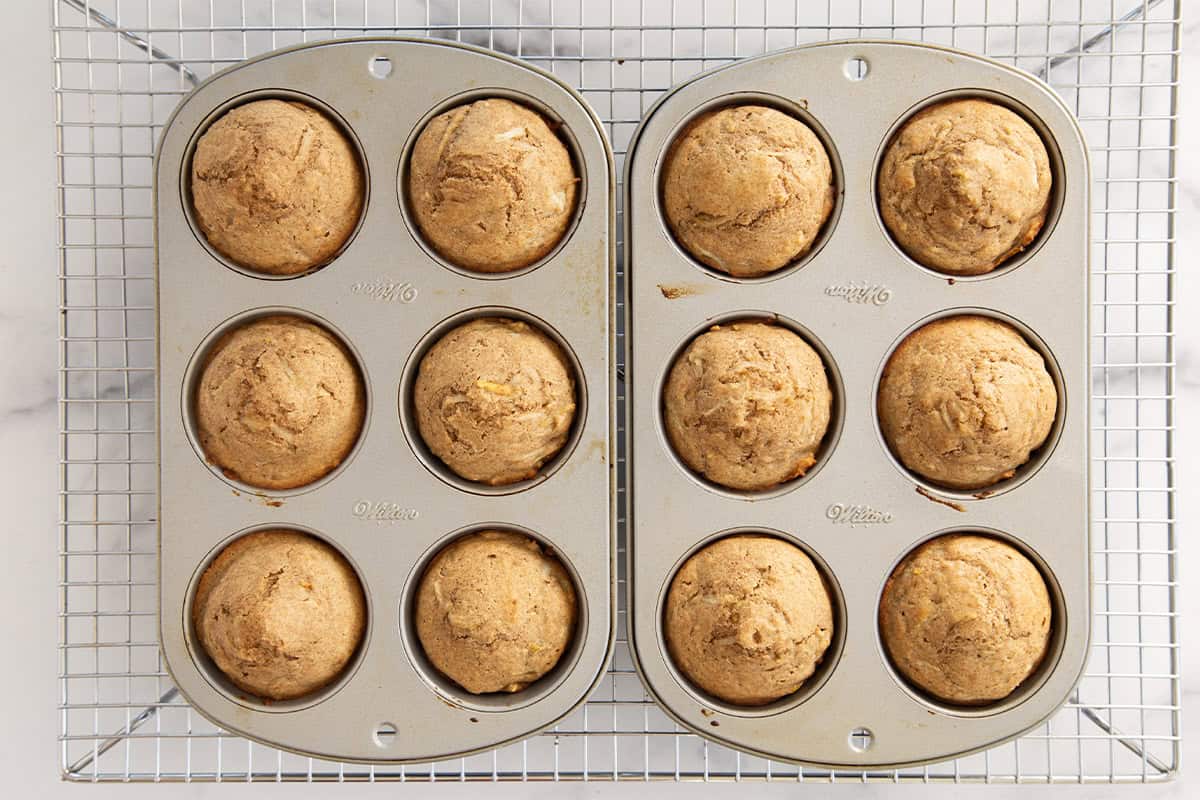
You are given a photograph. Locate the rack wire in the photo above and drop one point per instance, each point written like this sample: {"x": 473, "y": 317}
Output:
{"x": 120, "y": 66}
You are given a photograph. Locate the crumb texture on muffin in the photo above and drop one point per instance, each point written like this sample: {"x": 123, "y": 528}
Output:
{"x": 495, "y": 612}
{"x": 747, "y": 405}
{"x": 490, "y": 185}
{"x": 747, "y": 189}
{"x": 494, "y": 399}
{"x": 963, "y": 401}
{"x": 966, "y": 618}
{"x": 964, "y": 186}
{"x": 276, "y": 186}
{"x": 280, "y": 613}
{"x": 279, "y": 404}
{"x": 748, "y": 619}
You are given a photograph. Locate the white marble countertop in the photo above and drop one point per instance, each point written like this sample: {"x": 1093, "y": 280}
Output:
{"x": 29, "y": 420}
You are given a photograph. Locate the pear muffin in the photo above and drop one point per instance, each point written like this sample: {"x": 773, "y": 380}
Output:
{"x": 747, "y": 189}
{"x": 966, "y": 618}
{"x": 964, "y": 186}
{"x": 490, "y": 186}
{"x": 276, "y": 186}
{"x": 279, "y": 404}
{"x": 964, "y": 401}
{"x": 495, "y": 611}
{"x": 280, "y": 613}
{"x": 747, "y": 405}
{"x": 748, "y": 619}
{"x": 494, "y": 399}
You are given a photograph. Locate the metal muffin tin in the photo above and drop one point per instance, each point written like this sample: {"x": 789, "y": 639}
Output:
{"x": 854, "y": 297}
{"x": 391, "y": 506}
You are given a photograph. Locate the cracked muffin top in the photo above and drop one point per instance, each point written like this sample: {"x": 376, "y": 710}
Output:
{"x": 494, "y": 399}
{"x": 746, "y": 189}
{"x": 964, "y": 400}
{"x": 747, "y": 405}
{"x": 964, "y": 186}
{"x": 494, "y": 611}
{"x": 279, "y": 403}
{"x": 748, "y": 619}
{"x": 276, "y": 186}
{"x": 280, "y": 613}
{"x": 490, "y": 186}
{"x": 966, "y": 618}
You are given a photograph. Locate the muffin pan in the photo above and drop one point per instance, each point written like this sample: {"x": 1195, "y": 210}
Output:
{"x": 390, "y": 505}
{"x": 858, "y": 511}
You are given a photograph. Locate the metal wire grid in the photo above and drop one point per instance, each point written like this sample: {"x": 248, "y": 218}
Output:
{"x": 120, "y": 66}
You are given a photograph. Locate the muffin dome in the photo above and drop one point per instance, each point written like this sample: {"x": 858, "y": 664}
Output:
{"x": 276, "y": 186}
{"x": 490, "y": 186}
{"x": 748, "y": 619}
{"x": 747, "y": 405}
{"x": 747, "y": 189}
{"x": 964, "y": 186}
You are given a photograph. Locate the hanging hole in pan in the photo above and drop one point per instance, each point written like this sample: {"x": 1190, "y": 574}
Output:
{"x": 860, "y": 740}
{"x": 384, "y": 735}
{"x": 380, "y": 67}
{"x": 856, "y": 68}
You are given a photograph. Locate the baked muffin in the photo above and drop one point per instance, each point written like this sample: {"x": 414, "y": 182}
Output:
{"x": 494, "y": 612}
{"x": 280, "y": 613}
{"x": 494, "y": 399}
{"x": 963, "y": 401}
{"x": 279, "y": 404}
{"x": 964, "y": 186}
{"x": 748, "y": 619}
{"x": 277, "y": 187}
{"x": 490, "y": 186}
{"x": 965, "y": 618}
{"x": 747, "y": 404}
{"x": 746, "y": 189}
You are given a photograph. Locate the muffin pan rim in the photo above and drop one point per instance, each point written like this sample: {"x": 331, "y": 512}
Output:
{"x": 1060, "y": 624}
{"x": 1037, "y": 457}
{"x": 829, "y": 660}
{"x": 557, "y": 126}
{"x": 221, "y": 682}
{"x": 268, "y": 93}
{"x": 837, "y": 409}
{"x": 1058, "y": 186}
{"x": 1071, "y": 234}
{"x": 412, "y": 434}
{"x": 795, "y": 111}
{"x": 443, "y": 685}
{"x": 194, "y": 371}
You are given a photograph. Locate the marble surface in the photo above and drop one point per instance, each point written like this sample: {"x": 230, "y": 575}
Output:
{"x": 29, "y": 420}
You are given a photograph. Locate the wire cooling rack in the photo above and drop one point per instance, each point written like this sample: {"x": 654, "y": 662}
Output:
{"x": 120, "y": 66}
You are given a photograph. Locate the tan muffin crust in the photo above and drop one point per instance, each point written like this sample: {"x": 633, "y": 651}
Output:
{"x": 963, "y": 401}
{"x": 746, "y": 189}
{"x": 748, "y": 619}
{"x": 747, "y": 404}
{"x": 490, "y": 186}
{"x": 494, "y": 399}
{"x": 280, "y": 613}
{"x": 966, "y": 618}
{"x": 494, "y": 612}
{"x": 277, "y": 187}
{"x": 279, "y": 404}
{"x": 964, "y": 186}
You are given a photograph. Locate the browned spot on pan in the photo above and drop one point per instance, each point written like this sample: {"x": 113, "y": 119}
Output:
{"x": 921, "y": 490}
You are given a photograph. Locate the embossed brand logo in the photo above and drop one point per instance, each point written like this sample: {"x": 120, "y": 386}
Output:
{"x": 861, "y": 292}
{"x": 855, "y": 515}
{"x": 386, "y": 291}
{"x": 383, "y": 513}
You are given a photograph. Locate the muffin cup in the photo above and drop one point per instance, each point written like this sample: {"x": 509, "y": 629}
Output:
{"x": 385, "y": 507}
{"x": 857, "y": 295}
